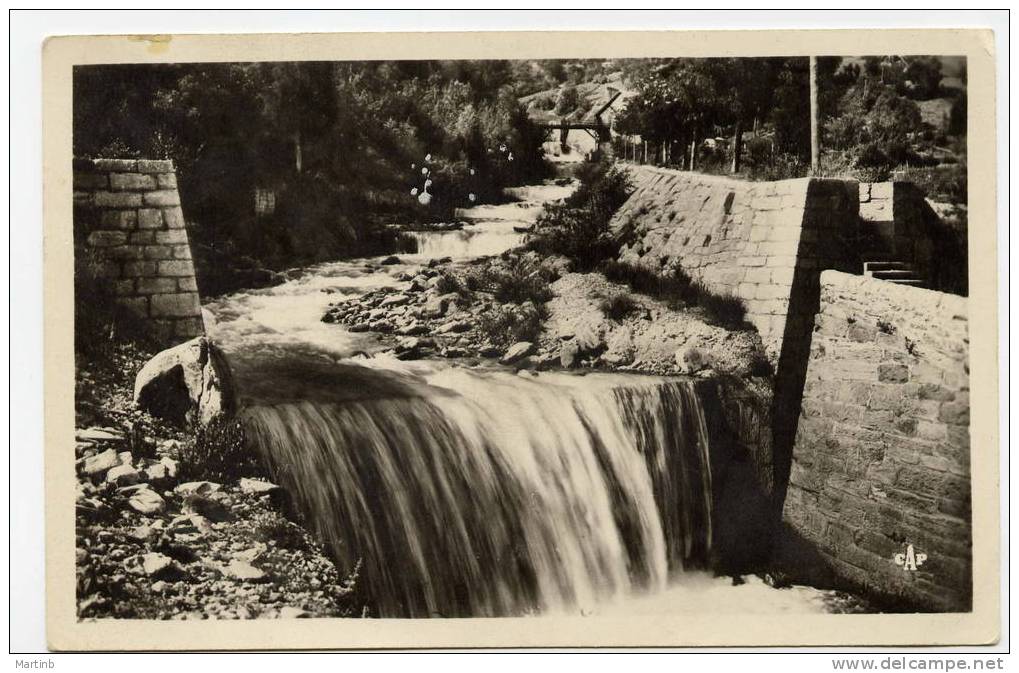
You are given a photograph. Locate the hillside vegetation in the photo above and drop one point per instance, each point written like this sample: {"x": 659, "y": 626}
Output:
{"x": 281, "y": 164}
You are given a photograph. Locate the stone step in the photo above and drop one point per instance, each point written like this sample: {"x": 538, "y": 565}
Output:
{"x": 893, "y": 273}
{"x": 914, "y": 282}
{"x": 886, "y": 266}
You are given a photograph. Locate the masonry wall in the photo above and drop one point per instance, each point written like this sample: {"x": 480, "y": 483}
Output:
{"x": 761, "y": 241}
{"x": 127, "y": 212}
{"x": 881, "y": 456}
{"x": 897, "y": 221}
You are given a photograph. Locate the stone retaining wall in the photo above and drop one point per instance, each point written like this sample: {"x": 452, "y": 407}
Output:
{"x": 881, "y": 457}
{"x": 764, "y": 242}
{"x": 898, "y": 223}
{"x": 128, "y": 213}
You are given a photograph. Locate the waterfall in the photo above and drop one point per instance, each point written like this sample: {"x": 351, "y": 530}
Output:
{"x": 477, "y": 241}
{"x": 497, "y": 494}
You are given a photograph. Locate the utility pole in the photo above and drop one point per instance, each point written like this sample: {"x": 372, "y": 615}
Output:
{"x": 815, "y": 121}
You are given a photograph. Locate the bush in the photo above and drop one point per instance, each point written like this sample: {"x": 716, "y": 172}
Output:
{"x": 946, "y": 184}
{"x": 447, "y": 283}
{"x": 506, "y": 325}
{"x": 617, "y": 306}
{"x": 578, "y": 228}
{"x": 218, "y": 452}
{"x": 277, "y": 528}
{"x": 519, "y": 280}
{"x": 679, "y": 291}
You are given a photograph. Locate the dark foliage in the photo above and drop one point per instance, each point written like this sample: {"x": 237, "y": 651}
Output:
{"x": 679, "y": 291}
{"x": 507, "y": 324}
{"x": 331, "y": 143}
{"x": 578, "y": 228}
{"x": 617, "y": 306}
{"x": 519, "y": 280}
{"x": 218, "y": 452}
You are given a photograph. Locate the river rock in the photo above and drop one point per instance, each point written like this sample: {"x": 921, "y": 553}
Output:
{"x": 568, "y": 354}
{"x": 519, "y": 350}
{"x": 256, "y": 486}
{"x": 453, "y": 326}
{"x": 97, "y": 435}
{"x": 245, "y": 572}
{"x": 189, "y": 382}
{"x": 147, "y": 501}
{"x": 123, "y": 475}
{"x": 197, "y": 488}
{"x": 690, "y": 360}
{"x": 102, "y": 463}
{"x": 394, "y": 300}
{"x": 290, "y": 612}
{"x": 160, "y": 566}
{"x": 619, "y": 347}
{"x": 436, "y": 307}
{"x": 412, "y": 329}
{"x": 389, "y": 261}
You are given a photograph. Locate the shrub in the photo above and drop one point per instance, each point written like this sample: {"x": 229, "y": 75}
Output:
{"x": 277, "y": 528}
{"x": 578, "y": 228}
{"x": 946, "y": 184}
{"x": 218, "y": 452}
{"x": 447, "y": 283}
{"x": 519, "y": 280}
{"x": 506, "y": 325}
{"x": 678, "y": 291}
{"x": 617, "y": 306}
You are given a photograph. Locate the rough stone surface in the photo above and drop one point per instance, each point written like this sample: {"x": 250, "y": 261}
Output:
{"x": 129, "y": 211}
{"x": 764, "y": 242}
{"x": 191, "y": 381}
{"x": 517, "y": 351}
{"x": 146, "y": 502}
{"x": 882, "y": 451}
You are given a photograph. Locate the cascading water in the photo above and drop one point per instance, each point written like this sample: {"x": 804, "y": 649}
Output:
{"x": 500, "y": 495}
{"x": 466, "y": 491}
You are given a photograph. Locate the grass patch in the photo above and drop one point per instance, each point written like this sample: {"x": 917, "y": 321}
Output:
{"x": 517, "y": 280}
{"x": 679, "y": 291}
{"x": 505, "y": 325}
{"x": 218, "y": 452}
{"x": 617, "y": 306}
{"x": 448, "y": 283}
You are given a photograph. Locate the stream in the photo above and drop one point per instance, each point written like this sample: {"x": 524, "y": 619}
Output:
{"x": 471, "y": 490}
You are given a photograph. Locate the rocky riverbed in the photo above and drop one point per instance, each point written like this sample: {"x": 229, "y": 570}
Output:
{"x": 456, "y": 309}
{"x": 156, "y": 541}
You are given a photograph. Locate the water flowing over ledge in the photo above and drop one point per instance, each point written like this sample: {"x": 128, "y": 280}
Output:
{"x": 502, "y": 495}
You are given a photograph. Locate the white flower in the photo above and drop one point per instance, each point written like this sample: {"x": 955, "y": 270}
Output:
{"x": 425, "y": 198}
{"x": 472, "y": 171}
{"x": 428, "y": 183}
{"x": 414, "y": 192}
{"x": 413, "y": 166}
{"x": 510, "y": 157}
{"x": 428, "y": 157}
{"x": 471, "y": 197}
{"x": 424, "y": 171}
{"x": 502, "y": 148}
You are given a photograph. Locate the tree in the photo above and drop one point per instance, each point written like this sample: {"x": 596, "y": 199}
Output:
{"x": 568, "y": 100}
{"x": 815, "y": 121}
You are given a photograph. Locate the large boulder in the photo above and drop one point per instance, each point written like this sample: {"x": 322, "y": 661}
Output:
{"x": 189, "y": 383}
